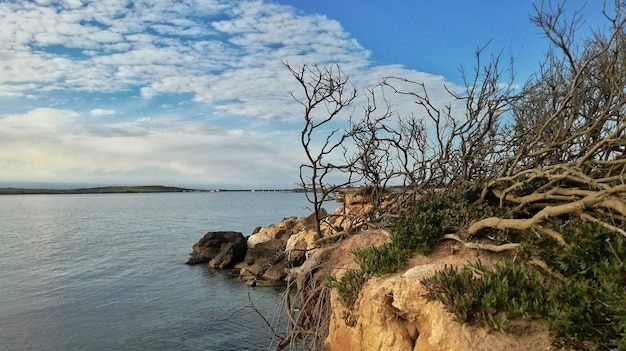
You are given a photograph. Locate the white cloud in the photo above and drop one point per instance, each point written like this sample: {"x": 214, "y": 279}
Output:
{"x": 45, "y": 144}
{"x": 169, "y": 46}
{"x": 101, "y": 112}
{"x": 42, "y": 123}
{"x": 225, "y": 55}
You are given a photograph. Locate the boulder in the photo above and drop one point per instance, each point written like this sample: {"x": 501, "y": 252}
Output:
{"x": 266, "y": 260}
{"x": 299, "y": 245}
{"x": 282, "y": 231}
{"x": 273, "y": 250}
{"x": 219, "y": 249}
{"x": 255, "y": 239}
{"x": 262, "y": 255}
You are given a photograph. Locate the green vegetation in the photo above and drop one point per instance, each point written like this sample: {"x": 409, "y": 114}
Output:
{"x": 582, "y": 296}
{"x": 588, "y": 306}
{"x": 348, "y": 287}
{"x": 477, "y": 294}
{"x": 427, "y": 220}
{"x": 417, "y": 230}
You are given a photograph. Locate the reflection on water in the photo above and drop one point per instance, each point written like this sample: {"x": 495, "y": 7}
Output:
{"x": 107, "y": 272}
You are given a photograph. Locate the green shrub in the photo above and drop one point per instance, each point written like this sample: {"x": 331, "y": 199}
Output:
{"x": 427, "y": 220}
{"x": 589, "y": 307}
{"x": 585, "y": 307}
{"x": 348, "y": 286}
{"x": 417, "y": 230}
{"x": 372, "y": 261}
{"x": 476, "y": 294}
{"x": 381, "y": 260}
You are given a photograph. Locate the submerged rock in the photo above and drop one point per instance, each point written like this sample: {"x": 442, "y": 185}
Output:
{"x": 220, "y": 249}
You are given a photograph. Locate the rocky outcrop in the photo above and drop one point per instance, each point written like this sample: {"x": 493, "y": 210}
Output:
{"x": 391, "y": 313}
{"x": 273, "y": 250}
{"x": 283, "y": 230}
{"x": 270, "y": 252}
{"x": 220, "y": 249}
{"x": 264, "y": 262}
{"x": 265, "y": 257}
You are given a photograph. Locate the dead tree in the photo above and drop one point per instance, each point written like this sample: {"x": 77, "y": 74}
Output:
{"x": 326, "y": 92}
{"x": 569, "y": 135}
{"x": 375, "y": 146}
{"x": 464, "y": 139}
{"x": 552, "y": 152}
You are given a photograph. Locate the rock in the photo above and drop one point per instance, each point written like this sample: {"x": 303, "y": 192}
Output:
{"x": 229, "y": 254}
{"x": 265, "y": 261}
{"x": 392, "y": 313}
{"x": 219, "y": 249}
{"x": 276, "y": 272}
{"x": 264, "y": 283}
{"x": 267, "y": 257}
{"x": 274, "y": 250}
{"x": 309, "y": 221}
{"x": 263, "y": 255}
{"x": 255, "y": 239}
{"x": 299, "y": 245}
{"x": 282, "y": 231}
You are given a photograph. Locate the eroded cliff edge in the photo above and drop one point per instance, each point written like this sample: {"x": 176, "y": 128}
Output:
{"x": 392, "y": 312}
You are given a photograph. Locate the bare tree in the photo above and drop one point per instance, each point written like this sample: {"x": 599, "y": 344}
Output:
{"x": 551, "y": 152}
{"x": 434, "y": 147}
{"x": 569, "y": 136}
{"x": 461, "y": 147}
{"x": 326, "y": 92}
{"x": 374, "y": 153}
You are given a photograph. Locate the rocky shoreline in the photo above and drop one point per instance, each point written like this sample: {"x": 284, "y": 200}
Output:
{"x": 269, "y": 254}
{"x": 391, "y": 312}
{"x": 266, "y": 257}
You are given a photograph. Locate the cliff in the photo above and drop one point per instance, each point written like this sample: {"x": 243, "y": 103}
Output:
{"x": 392, "y": 313}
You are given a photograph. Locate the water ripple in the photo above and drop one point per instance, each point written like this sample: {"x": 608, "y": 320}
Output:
{"x": 106, "y": 272}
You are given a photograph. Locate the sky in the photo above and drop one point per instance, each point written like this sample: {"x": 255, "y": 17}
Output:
{"x": 194, "y": 93}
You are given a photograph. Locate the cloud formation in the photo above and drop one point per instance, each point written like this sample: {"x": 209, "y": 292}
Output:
{"x": 153, "y": 89}
{"x": 218, "y": 51}
{"x": 101, "y": 112}
{"x": 47, "y": 142}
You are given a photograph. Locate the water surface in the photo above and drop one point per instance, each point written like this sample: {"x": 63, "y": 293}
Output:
{"x": 107, "y": 272}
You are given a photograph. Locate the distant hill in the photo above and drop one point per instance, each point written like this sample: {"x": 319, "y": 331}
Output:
{"x": 97, "y": 190}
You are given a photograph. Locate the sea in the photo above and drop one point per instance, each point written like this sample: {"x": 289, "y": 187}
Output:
{"x": 107, "y": 272}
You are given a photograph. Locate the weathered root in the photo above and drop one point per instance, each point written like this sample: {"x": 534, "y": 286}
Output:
{"x": 479, "y": 246}
{"x": 584, "y": 197}
{"x": 307, "y": 304}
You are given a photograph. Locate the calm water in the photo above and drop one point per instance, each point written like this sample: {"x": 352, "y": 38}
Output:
{"x": 107, "y": 272}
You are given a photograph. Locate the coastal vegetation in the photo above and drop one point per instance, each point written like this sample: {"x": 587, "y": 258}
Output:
{"x": 534, "y": 173}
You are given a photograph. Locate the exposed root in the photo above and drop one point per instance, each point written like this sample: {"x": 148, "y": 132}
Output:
{"x": 307, "y": 305}
{"x": 487, "y": 247}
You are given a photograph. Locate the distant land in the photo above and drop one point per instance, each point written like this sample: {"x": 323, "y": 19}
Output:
{"x": 117, "y": 190}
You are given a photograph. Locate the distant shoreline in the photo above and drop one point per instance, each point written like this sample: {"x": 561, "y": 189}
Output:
{"x": 126, "y": 190}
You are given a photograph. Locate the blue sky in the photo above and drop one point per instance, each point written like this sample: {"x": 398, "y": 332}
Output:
{"x": 193, "y": 92}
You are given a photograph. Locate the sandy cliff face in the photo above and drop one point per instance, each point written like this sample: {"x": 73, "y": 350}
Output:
{"x": 392, "y": 314}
